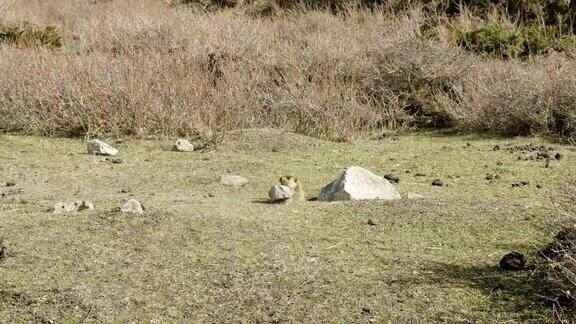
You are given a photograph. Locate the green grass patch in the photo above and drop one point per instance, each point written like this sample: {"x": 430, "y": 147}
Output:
{"x": 204, "y": 252}
{"x": 29, "y": 35}
{"x": 497, "y": 39}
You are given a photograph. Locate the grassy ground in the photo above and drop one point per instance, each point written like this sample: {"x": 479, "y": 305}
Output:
{"x": 210, "y": 253}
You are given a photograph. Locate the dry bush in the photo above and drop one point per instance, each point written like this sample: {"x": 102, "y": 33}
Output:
{"x": 512, "y": 98}
{"x": 148, "y": 67}
{"x": 560, "y": 256}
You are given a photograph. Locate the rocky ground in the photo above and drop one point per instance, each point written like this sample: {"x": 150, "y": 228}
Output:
{"x": 204, "y": 250}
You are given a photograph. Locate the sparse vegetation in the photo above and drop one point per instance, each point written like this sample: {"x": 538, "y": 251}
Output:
{"x": 26, "y": 35}
{"x": 340, "y": 70}
{"x": 203, "y": 252}
{"x": 147, "y": 70}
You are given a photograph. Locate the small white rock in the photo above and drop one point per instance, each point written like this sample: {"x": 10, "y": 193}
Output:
{"x": 412, "y": 195}
{"x": 132, "y": 206}
{"x": 98, "y": 147}
{"x": 183, "y": 145}
{"x": 279, "y": 193}
{"x": 233, "y": 180}
{"x": 64, "y": 207}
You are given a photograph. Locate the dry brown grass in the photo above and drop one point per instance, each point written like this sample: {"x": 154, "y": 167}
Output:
{"x": 148, "y": 67}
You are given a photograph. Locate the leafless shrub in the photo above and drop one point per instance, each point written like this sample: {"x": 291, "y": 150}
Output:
{"x": 148, "y": 67}
{"x": 560, "y": 255}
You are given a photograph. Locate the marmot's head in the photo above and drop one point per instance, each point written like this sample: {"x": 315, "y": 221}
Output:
{"x": 289, "y": 181}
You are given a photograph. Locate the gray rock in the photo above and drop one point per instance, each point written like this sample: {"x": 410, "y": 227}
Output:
{"x": 182, "y": 145}
{"x": 357, "y": 183}
{"x": 279, "y": 193}
{"x": 412, "y": 195}
{"x": 100, "y": 148}
{"x": 232, "y": 180}
{"x": 64, "y": 207}
{"x": 132, "y": 206}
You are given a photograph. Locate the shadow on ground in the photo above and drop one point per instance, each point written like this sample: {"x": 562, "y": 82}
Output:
{"x": 520, "y": 292}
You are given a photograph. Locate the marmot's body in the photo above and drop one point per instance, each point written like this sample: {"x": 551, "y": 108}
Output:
{"x": 295, "y": 184}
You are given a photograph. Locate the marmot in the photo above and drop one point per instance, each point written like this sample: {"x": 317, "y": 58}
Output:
{"x": 296, "y": 185}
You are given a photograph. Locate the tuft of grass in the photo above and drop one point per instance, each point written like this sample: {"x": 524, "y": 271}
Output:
{"x": 508, "y": 41}
{"x": 27, "y": 35}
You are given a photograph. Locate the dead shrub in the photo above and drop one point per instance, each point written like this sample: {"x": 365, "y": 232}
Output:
{"x": 139, "y": 68}
{"x": 560, "y": 256}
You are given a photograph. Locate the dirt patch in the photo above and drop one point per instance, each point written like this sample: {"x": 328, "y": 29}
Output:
{"x": 564, "y": 244}
{"x": 271, "y": 140}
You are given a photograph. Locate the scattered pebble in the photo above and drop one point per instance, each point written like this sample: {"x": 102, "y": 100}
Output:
{"x": 420, "y": 174}
{"x": 496, "y": 148}
{"x": 372, "y": 222}
{"x": 437, "y": 183}
{"x": 10, "y": 184}
{"x": 392, "y": 177}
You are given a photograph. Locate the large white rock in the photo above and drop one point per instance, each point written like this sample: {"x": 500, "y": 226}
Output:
{"x": 132, "y": 206}
{"x": 357, "y": 183}
{"x": 279, "y": 193}
{"x": 182, "y": 145}
{"x": 233, "y": 180}
{"x": 100, "y": 148}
